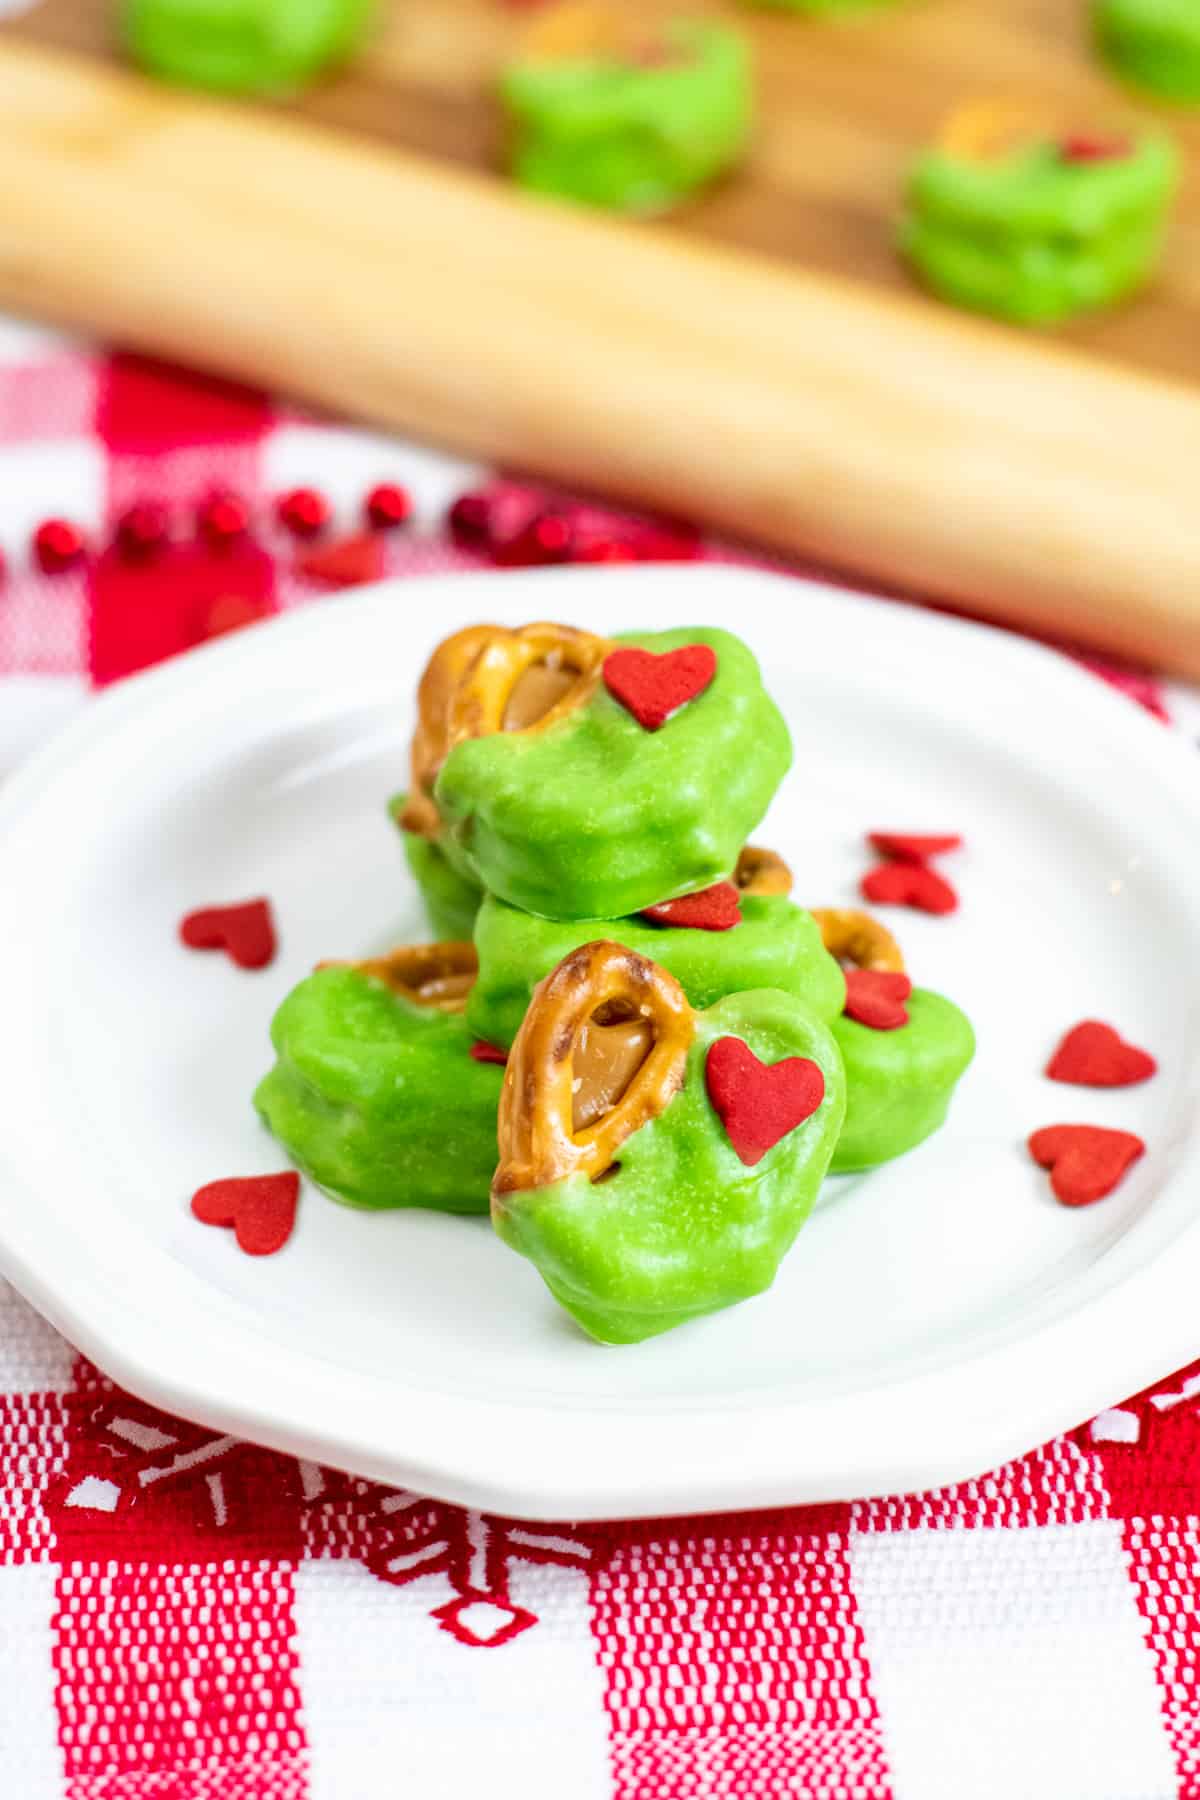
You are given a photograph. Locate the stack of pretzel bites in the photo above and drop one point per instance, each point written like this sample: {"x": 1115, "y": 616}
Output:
{"x": 629, "y": 1043}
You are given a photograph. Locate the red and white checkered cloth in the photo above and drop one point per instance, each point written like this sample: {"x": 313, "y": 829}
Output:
{"x": 184, "y": 1617}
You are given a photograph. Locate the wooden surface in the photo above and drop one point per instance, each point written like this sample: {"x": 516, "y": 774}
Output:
{"x": 843, "y": 106}
{"x": 917, "y": 447}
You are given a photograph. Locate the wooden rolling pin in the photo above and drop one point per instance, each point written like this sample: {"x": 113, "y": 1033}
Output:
{"x": 888, "y": 438}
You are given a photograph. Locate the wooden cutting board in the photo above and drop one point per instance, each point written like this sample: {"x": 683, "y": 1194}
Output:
{"x": 843, "y": 107}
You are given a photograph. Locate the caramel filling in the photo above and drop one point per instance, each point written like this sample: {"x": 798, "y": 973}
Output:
{"x": 607, "y": 1057}
{"x": 537, "y": 689}
{"x": 442, "y": 988}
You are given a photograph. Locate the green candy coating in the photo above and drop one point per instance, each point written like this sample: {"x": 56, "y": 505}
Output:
{"x": 378, "y": 1100}
{"x": 451, "y": 898}
{"x": 777, "y": 945}
{"x": 241, "y": 46}
{"x": 595, "y": 817}
{"x": 1035, "y": 237}
{"x": 684, "y": 1227}
{"x": 1153, "y": 43}
{"x": 631, "y": 137}
{"x": 899, "y": 1083}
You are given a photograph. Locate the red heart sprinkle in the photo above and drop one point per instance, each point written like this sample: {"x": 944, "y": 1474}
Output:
{"x": 652, "y": 687}
{"x": 716, "y": 908}
{"x": 247, "y": 931}
{"x": 758, "y": 1103}
{"x": 911, "y": 846}
{"x": 1094, "y": 1055}
{"x": 1081, "y": 146}
{"x": 261, "y": 1209}
{"x": 909, "y": 884}
{"x": 488, "y": 1053}
{"x": 1085, "y": 1161}
{"x": 876, "y": 997}
{"x": 348, "y": 563}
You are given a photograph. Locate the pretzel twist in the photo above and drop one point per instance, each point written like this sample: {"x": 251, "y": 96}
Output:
{"x": 479, "y": 703}
{"x": 576, "y": 29}
{"x": 989, "y": 130}
{"x": 438, "y": 976}
{"x": 538, "y": 1142}
{"x": 855, "y": 937}
{"x": 761, "y": 871}
{"x": 430, "y": 744}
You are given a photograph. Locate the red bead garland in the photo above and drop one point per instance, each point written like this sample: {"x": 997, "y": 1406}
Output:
{"x": 304, "y": 512}
{"x": 222, "y": 519}
{"x": 549, "y": 537}
{"x": 142, "y": 532}
{"x": 57, "y": 545}
{"x": 387, "y": 506}
{"x": 470, "y": 521}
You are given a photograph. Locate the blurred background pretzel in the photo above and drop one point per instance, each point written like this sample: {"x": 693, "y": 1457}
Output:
{"x": 855, "y": 937}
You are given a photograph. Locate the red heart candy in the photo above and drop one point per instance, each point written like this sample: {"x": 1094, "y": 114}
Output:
{"x": 1085, "y": 147}
{"x": 716, "y": 908}
{"x": 1086, "y": 1161}
{"x": 910, "y": 846}
{"x": 909, "y": 884}
{"x": 652, "y": 687}
{"x": 261, "y": 1209}
{"x": 348, "y": 563}
{"x": 487, "y": 1053}
{"x": 247, "y": 931}
{"x": 1094, "y": 1055}
{"x": 876, "y": 997}
{"x": 758, "y": 1103}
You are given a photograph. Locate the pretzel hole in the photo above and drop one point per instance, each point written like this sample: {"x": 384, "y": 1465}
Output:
{"x": 611, "y": 1048}
{"x": 537, "y": 690}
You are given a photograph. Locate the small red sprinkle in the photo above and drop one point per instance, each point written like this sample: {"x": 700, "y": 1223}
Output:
{"x": 1086, "y": 1161}
{"x": 716, "y": 908}
{"x": 222, "y": 519}
{"x": 1082, "y": 147}
{"x": 57, "y": 545}
{"x": 260, "y": 1208}
{"x": 387, "y": 506}
{"x": 488, "y": 1053}
{"x": 876, "y": 997}
{"x": 470, "y": 521}
{"x": 652, "y": 687}
{"x": 911, "y": 846}
{"x": 348, "y": 563}
{"x": 759, "y": 1103}
{"x": 142, "y": 531}
{"x": 246, "y": 931}
{"x": 1092, "y": 1054}
{"x": 548, "y": 538}
{"x": 304, "y": 512}
{"x": 909, "y": 884}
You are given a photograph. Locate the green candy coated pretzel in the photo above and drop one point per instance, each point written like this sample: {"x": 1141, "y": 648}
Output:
{"x": 1033, "y": 236}
{"x": 899, "y": 1083}
{"x": 242, "y": 46}
{"x": 777, "y": 945}
{"x": 594, "y": 817}
{"x": 378, "y": 1100}
{"x": 630, "y": 137}
{"x": 684, "y": 1227}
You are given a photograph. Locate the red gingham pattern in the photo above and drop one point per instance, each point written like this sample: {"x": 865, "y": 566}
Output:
{"x": 184, "y": 1617}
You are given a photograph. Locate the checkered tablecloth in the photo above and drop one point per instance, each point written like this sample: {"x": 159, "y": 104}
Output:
{"x": 184, "y": 1617}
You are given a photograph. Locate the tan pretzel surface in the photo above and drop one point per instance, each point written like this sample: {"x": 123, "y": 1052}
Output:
{"x": 991, "y": 129}
{"x": 443, "y": 672}
{"x": 576, "y": 29}
{"x": 855, "y": 937}
{"x": 539, "y": 1140}
{"x": 761, "y": 871}
{"x": 564, "y": 664}
{"x": 439, "y": 976}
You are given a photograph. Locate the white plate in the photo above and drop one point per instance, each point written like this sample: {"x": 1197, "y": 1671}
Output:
{"x": 935, "y": 1317}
